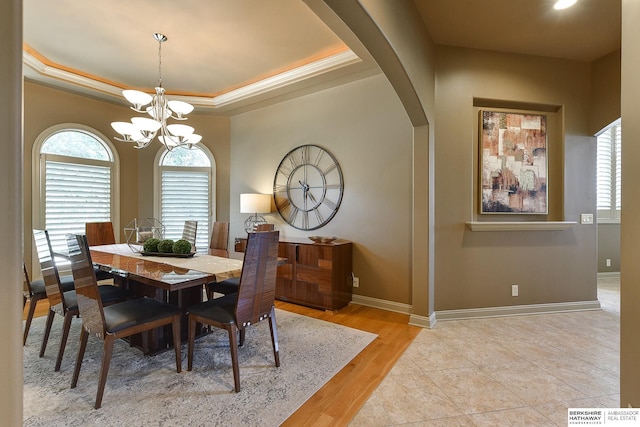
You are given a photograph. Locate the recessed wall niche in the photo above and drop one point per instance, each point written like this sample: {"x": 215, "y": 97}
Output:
{"x": 554, "y": 168}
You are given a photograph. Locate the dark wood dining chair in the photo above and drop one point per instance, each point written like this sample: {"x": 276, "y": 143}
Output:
{"x": 115, "y": 321}
{"x": 253, "y": 302}
{"x": 100, "y": 233}
{"x": 36, "y": 291}
{"x": 219, "y": 243}
{"x": 189, "y": 233}
{"x": 63, "y": 302}
{"x": 230, "y": 286}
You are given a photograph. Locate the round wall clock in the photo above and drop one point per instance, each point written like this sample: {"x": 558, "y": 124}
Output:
{"x": 308, "y": 187}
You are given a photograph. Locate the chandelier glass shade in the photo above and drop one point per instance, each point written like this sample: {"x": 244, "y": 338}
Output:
{"x": 142, "y": 130}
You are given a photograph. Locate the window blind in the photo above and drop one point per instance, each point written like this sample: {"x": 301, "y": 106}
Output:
{"x": 185, "y": 196}
{"x": 609, "y": 173}
{"x": 75, "y": 193}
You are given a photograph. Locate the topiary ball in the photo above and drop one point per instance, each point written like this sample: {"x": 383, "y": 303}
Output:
{"x": 165, "y": 246}
{"x": 182, "y": 247}
{"x": 151, "y": 245}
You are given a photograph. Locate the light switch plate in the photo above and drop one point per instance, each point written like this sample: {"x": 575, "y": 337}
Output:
{"x": 586, "y": 218}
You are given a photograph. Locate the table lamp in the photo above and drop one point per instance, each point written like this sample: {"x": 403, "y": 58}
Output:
{"x": 255, "y": 204}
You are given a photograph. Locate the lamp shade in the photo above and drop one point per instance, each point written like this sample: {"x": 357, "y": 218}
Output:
{"x": 255, "y": 203}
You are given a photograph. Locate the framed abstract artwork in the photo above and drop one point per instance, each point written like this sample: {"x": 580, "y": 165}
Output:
{"x": 513, "y": 163}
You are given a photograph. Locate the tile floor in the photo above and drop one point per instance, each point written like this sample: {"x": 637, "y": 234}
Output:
{"x": 522, "y": 370}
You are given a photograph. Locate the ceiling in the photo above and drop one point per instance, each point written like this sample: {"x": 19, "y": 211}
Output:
{"x": 225, "y": 56}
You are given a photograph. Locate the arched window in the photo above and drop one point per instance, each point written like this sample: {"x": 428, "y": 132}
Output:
{"x": 184, "y": 180}
{"x": 75, "y": 183}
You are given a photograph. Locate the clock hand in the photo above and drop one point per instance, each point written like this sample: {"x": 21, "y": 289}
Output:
{"x": 313, "y": 199}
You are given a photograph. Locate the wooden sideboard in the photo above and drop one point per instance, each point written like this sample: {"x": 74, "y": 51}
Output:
{"x": 315, "y": 274}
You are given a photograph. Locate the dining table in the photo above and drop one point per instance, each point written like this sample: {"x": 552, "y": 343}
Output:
{"x": 175, "y": 279}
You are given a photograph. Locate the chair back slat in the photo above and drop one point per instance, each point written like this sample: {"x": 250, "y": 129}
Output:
{"x": 219, "y": 243}
{"x": 189, "y": 233}
{"x": 49, "y": 271}
{"x": 265, "y": 227}
{"x": 256, "y": 293}
{"x": 89, "y": 301}
{"x": 100, "y": 233}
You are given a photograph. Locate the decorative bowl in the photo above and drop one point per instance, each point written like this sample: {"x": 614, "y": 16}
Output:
{"x": 323, "y": 239}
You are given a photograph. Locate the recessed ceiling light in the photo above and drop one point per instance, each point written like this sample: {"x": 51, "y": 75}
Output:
{"x": 563, "y": 4}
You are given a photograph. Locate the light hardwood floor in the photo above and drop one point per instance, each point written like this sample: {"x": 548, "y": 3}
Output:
{"x": 341, "y": 398}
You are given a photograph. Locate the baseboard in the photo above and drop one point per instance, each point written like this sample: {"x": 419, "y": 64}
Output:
{"x": 516, "y": 310}
{"x": 474, "y": 313}
{"x": 381, "y": 304}
{"x": 422, "y": 321}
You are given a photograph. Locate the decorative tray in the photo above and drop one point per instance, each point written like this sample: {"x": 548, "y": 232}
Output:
{"x": 166, "y": 254}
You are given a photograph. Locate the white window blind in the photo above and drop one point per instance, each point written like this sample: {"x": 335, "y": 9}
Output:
{"x": 185, "y": 196}
{"x": 609, "y": 173}
{"x": 76, "y": 191}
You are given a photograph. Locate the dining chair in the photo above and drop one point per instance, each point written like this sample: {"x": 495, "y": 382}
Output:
{"x": 189, "y": 232}
{"x": 63, "y": 302}
{"x": 253, "y": 302}
{"x": 100, "y": 233}
{"x": 265, "y": 227}
{"x": 36, "y": 292}
{"x": 219, "y": 243}
{"x": 115, "y": 321}
{"x": 230, "y": 286}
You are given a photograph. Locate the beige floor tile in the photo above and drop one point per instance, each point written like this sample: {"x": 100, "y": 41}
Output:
{"x": 459, "y": 421}
{"x": 610, "y": 401}
{"x": 525, "y": 417}
{"x": 436, "y": 355}
{"x": 474, "y": 391}
{"x": 535, "y": 386}
{"x": 589, "y": 379}
{"x": 510, "y": 371}
{"x": 412, "y": 398}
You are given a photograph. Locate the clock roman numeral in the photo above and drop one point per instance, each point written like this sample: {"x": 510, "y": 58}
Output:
{"x": 329, "y": 203}
{"x": 292, "y": 214}
{"x": 279, "y": 188}
{"x": 329, "y": 169}
{"x": 319, "y": 217}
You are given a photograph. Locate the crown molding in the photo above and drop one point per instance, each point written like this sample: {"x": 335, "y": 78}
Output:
{"x": 41, "y": 71}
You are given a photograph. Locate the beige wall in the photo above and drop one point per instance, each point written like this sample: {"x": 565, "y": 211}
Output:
{"x": 365, "y": 127}
{"x": 477, "y": 269}
{"x": 630, "y": 228}
{"x": 396, "y": 38}
{"x": 605, "y": 91}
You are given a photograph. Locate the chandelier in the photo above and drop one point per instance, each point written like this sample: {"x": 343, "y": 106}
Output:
{"x": 142, "y": 130}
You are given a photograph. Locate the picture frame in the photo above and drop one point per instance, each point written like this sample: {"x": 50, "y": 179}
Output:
{"x": 513, "y": 162}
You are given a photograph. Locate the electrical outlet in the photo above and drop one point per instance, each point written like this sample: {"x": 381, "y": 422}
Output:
{"x": 586, "y": 218}
{"x": 356, "y": 282}
{"x": 608, "y": 262}
{"x": 514, "y": 290}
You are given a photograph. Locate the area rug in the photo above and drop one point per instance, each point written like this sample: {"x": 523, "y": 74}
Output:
{"x": 147, "y": 391}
